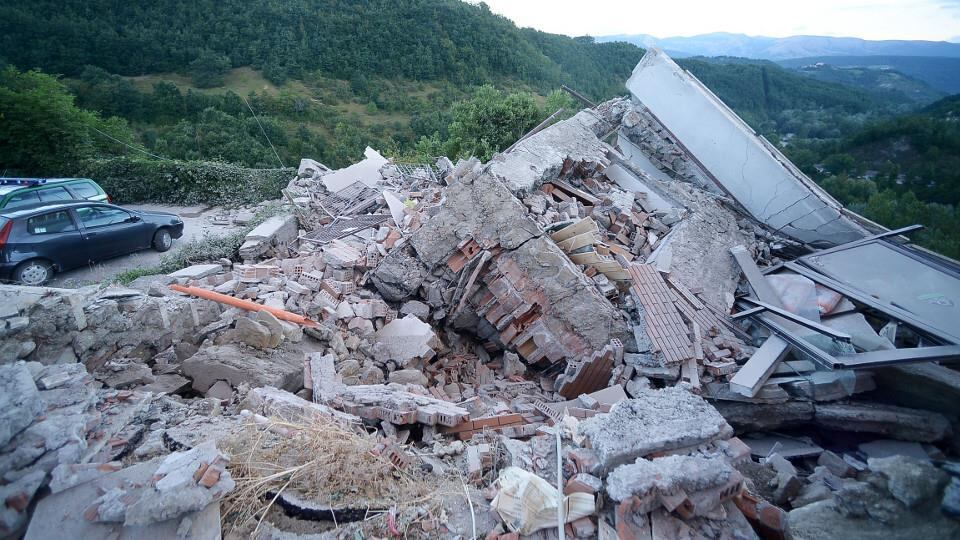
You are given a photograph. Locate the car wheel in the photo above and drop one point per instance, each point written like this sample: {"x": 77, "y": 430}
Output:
{"x": 162, "y": 240}
{"x": 35, "y": 272}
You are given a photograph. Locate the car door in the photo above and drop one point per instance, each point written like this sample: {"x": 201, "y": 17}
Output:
{"x": 107, "y": 231}
{"x": 56, "y": 237}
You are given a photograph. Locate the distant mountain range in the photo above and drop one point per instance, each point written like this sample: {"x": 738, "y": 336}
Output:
{"x": 936, "y": 63}
{"x": 769, "y": 48}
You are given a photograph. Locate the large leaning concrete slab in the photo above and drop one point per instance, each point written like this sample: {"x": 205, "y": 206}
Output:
{"x": 742, "y": 164}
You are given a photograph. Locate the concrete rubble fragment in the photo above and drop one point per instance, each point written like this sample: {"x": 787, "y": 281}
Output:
{"x": 657, "y": 421}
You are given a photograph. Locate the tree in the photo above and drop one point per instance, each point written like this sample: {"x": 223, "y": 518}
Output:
{"x": 209, "y": 69}
{"x": 490, "y": 122}
{"x": 42, "y": 131}
{"x": 560, "y": 99}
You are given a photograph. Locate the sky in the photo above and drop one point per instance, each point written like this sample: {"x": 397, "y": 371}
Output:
{"x": 934, "y": 20}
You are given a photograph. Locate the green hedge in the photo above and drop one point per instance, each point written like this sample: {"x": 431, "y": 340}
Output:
{"x": 185, "y": 182}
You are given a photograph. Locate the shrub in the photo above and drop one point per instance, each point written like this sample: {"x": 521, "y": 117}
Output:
{"x": 131, "y": 180}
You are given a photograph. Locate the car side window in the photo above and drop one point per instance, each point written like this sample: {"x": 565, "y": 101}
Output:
{"x": 23, "y": 199}
{"x": 53, "y": 222}
{"x": 55, "y": 194}
{"x": 85, "y": 190}
{"x": 100, "y": 216}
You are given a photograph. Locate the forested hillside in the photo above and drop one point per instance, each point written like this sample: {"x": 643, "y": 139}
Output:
{"x": 325, "y": 77}
{"x": 880, "y": 81}
{"x": 897, "y": 171}
{"x": 410, "y": 39}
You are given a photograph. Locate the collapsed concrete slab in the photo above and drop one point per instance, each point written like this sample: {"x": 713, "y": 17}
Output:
{"x": 477, "y": 206}
{"x": 273, "y": 402}
{"x": 706, "y": 133}
{"x": 237, "y": 365}
{"x": 656, "y": 422}
{"x": 275, "y": 231}
{"x": 898, "y": 422}
{"x": 366, "y": 171}
{"x": 540, "y": 156}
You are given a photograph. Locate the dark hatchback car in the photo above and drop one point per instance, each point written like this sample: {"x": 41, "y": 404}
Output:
{"x": 38, "y": 240}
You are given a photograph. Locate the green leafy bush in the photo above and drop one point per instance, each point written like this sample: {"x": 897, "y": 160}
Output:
{"x": 130, "y": 180}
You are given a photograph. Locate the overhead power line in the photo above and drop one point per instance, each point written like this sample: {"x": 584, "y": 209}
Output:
{"x": 114, "y": 139}
{"x": 264, "y": 132}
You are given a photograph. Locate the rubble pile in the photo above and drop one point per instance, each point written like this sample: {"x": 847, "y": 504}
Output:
{"x": 598, "y": 332}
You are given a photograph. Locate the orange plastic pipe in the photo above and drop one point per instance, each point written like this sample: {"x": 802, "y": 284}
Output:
{"x": 281, "y": 314}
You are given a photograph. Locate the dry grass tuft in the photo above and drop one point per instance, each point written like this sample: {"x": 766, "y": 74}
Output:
{"x": 331, "y": 463}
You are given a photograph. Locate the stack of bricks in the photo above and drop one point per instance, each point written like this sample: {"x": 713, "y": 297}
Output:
{"x": 592, "y": 374}
{"x": 397, "y": 406}
{"x": 468, "y": 428}
{"x": 667, "y": 330}
{"x": 255, "y": 273}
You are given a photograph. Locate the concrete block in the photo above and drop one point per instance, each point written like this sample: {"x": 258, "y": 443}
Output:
{"x": 657, "y": 421}
{"x": 20, "y": 402}
{"x": 197, "y": 271}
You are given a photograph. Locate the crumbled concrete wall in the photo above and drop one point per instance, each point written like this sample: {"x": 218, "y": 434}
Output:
{"x": 480, "y": 206}
{"x": 700, "y": 246}
{"x": 540, "y": 156}
{"x": 572, "y": 307}
{"x": 64, "y": 325}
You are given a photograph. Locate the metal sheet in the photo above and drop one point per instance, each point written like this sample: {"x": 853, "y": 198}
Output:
{"x": 885, "y": 272}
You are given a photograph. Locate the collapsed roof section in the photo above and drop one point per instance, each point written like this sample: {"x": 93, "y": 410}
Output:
{"x": 686, "y": 129}
{"x": 524, "y": 293}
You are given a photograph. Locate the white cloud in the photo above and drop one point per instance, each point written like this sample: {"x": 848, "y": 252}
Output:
{"x": 880, "y": 19}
